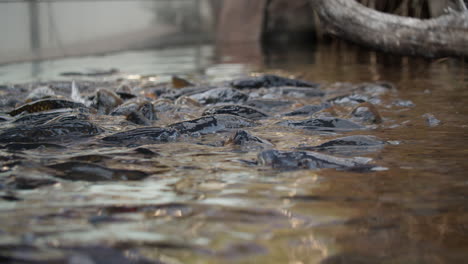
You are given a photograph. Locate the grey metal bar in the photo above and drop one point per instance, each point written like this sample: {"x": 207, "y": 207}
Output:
{"x": 34, "y": 34}
{"x": 34, "y": 25}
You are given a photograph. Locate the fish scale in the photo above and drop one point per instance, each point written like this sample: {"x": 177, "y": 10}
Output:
{"x": 44, "y": 105}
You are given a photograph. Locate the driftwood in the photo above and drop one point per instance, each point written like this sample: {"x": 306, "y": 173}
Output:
{"x": 446, "y": 35}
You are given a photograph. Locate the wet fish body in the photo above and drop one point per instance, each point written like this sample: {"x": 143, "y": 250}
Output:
{"x": 67, "y": 118}
{"x": 220, "y": 95}
{"x": 106, "y": 100}
{"x": 153, "y": 134}
{"x": 350, "y": 145}
{"x": 4, "y": 118}
{"x": 298, "y": 92}
{"x": 350, "y": 99}
{"x": 431, "y": 120}
{"x": 44, "y": 105}
{"x": 270, "y": 80}
{"x": 178, "y": 82}
{"x": 125, "y": 108}
{"x": 238, "y": 110}
{"x": 173, "y": 94}
{"x": 367, "y": 113}
{"x": 30, "y": 146}
{"x": 138, "y": 118}
{"x": 328, "y": 124}
{"x": 41, "y": 117}
{"x": 147, "y": 110}
{"x": 268, "y": 104}
{"x": 212, "y": 124}
{"x": 308, "y": 110}
{"x": 51, "y": 131}
{"x": 246, "y": 140}
{"x": 308, "y": 160}
{"x": 143, "y": 107}
{"x": 92, "y": 172}
{"x": 358, "y": 140}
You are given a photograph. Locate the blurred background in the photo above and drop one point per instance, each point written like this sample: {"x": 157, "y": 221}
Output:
{"x": 57, "y": 28}
{"x": 44, "y": 29}
{"x": 42, "y": 38}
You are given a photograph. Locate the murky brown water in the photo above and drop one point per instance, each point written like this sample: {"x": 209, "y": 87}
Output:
{"x": 202, "y": 205}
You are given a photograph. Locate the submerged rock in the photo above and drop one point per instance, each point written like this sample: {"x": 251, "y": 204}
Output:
{"x": 308, "y": 110}
{"x": 309, "y": 160}
{"x": 45, "y": 105}
{"x": 145, "y": 134}
{"x": 351, "y": 145}
{"x": 268, "y": 81}
{"x": 212, "y": 124}
{"x": 329, "y": 124}
{"x": 238, "y": 110}
{"x": 220, "y": 95}
{"x": 68, "y": 129}
{"x": 82, "y": 171}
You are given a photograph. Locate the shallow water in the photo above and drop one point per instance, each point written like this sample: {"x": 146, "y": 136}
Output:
{"x": 202, "y": 204}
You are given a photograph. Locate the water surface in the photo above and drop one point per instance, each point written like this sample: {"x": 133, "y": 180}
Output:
{"x": 201, "y": 204}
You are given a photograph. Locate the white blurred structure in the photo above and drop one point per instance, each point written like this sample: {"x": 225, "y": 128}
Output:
{"x": 45, "y": 29}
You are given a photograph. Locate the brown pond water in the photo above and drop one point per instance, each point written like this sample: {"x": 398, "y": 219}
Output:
{"x": 201, "y": 205}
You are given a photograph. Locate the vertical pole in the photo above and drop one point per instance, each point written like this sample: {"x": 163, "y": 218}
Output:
{"x": 461, "y": 5}
{"x": 34, "y": 35}
{"x": 200, "y": 33}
